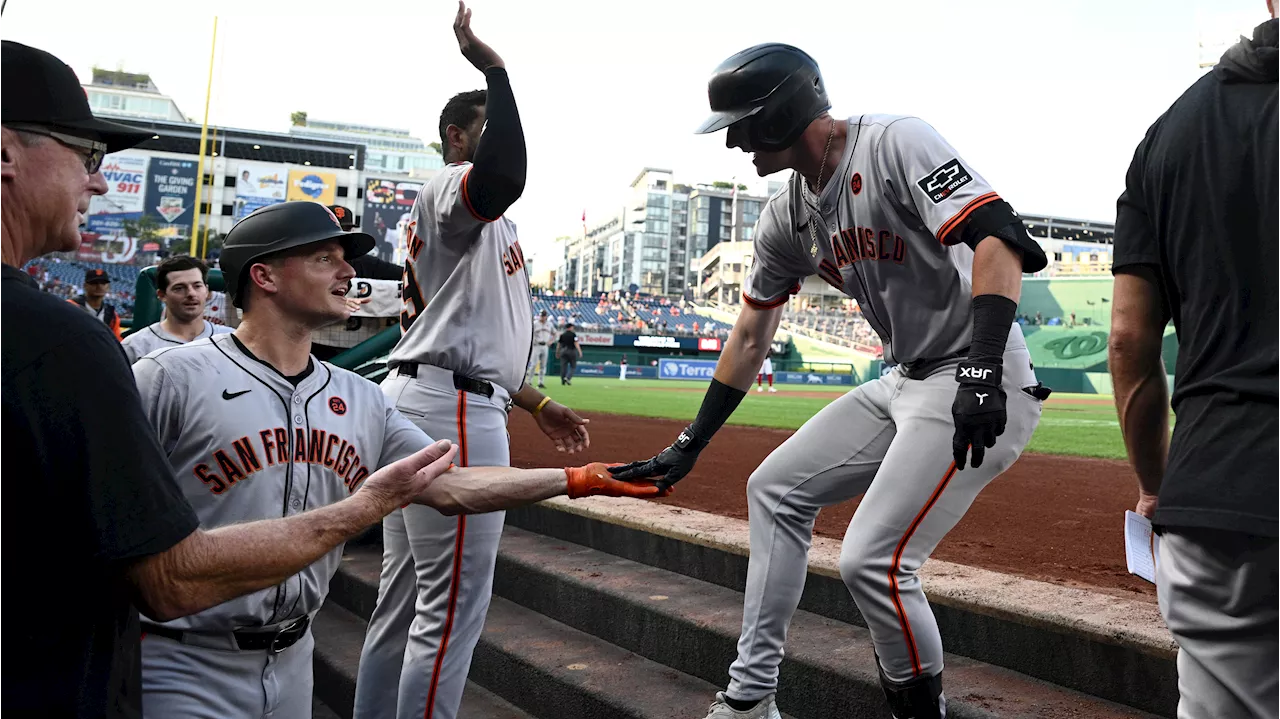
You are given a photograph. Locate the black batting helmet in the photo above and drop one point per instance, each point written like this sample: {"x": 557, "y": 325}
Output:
{"x": 282, "y": 227}
{"x": 776, "y": 89}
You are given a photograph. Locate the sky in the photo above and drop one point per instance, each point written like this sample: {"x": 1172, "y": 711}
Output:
{"x": 1046, "y": 100}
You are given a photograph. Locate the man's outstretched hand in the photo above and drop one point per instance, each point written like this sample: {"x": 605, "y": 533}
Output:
{"x": 671, "y": 464}
{"x": 594, "y": 480}
{"x": 475, "y": 50}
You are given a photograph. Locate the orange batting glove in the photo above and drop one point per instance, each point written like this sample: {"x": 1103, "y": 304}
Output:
{"x": 594, "y": 479}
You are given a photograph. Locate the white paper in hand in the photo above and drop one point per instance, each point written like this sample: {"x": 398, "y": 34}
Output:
{"x": 1141, "y": 546}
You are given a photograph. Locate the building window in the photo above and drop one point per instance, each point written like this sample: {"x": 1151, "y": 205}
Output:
{"x": 228, "y": 210}
{"x": 342, "y": 191}
{"x": 660, "y": 184}
{"x": 229, "y": 181}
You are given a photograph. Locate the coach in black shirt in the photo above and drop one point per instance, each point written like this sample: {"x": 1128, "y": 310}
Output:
{"x": 95, "y": 528}
{"x": 1195, "y": 243}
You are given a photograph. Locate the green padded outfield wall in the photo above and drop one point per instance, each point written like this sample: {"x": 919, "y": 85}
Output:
{"x": 1061, "y": 297}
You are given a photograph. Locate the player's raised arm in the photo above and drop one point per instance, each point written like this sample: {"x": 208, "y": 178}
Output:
{"x": 497, "y": 153}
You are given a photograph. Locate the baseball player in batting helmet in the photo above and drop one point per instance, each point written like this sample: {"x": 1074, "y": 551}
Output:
{"x": 884, "y": 210}
{"x": 257, "y": 428}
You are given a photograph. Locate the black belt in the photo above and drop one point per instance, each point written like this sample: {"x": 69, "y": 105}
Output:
{"x": 246, "y": 639}
{"x": 927, "y": 366}
{"x": 460, "y": 382}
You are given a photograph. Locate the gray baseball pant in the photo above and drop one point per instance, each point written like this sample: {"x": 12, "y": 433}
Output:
{"x": 889, "y": 439}
{"x": 437, "y": 571}
{"x": 1217, "y": 593}
{"x": 183, "y": 681}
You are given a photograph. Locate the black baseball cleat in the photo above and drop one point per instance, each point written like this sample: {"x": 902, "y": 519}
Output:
{"x": 541, "y": 386}
{"x": 920, "y": 698}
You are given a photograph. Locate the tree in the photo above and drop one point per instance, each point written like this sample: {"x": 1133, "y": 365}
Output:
{"x": 435, "y": 146}
{"x": 298, "y": 118}
{"x": 722, "y": 185}
{"x": 144, "y": 229}
{"x": 742, "y": 187}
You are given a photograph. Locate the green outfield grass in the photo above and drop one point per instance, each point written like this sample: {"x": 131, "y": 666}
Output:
{"x": 1067, "y": 426}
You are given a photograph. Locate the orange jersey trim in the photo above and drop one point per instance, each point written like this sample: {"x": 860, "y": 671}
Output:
{"x": 466, "y": 199}
{"x": 903, "y": 622}
{"x": 963, "y": 214}
{"x": 760, "y": 305}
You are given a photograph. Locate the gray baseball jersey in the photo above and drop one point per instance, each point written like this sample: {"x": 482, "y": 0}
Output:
{"x": 544, "y": 331}
{"x": 882, "y": 233}
{"x": 466, "y": 290}
{"x": 246, "y": 444}
{"x": 153, "y": 337}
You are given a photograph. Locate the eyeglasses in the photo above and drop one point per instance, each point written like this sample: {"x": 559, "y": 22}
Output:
{"x": 93, "y": 151}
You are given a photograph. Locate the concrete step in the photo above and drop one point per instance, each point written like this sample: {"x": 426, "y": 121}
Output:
{"x": 556, "y": 672}
{"x": 693, "y": 626}
{"x": 339, "y": 635}
{"x": 1102, "y": 645}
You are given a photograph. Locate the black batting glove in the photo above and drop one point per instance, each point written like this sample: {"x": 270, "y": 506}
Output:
{"x": 672, "y": 463}
{"x": 978, "y": 410}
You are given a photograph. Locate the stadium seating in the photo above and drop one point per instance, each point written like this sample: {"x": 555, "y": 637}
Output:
{"x": 66, "y": 275}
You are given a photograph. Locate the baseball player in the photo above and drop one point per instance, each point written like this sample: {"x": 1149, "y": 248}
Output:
{"x": 883, "y": 209}
{"x": 456, "y": 372}
{"x": 256, "y": 427}
{"x": 182, "y": 285}
{"x": 766, "y": 370}
{"x": 97, "y": 284}
{"x": 544, "y": 333}
{"x": 622, "y": 369}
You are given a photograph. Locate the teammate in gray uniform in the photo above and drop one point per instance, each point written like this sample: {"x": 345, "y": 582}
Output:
{"x": 455, "y": 373}
{"x": 256, "y": 427}
{"x": 544, "y": 333}
{"x": 182, "y": 285}
{"x": 883, "y": 209}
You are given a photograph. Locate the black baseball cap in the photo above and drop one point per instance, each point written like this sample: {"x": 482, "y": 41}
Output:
{"x": 345, "y": 218}
{"x": 91, "y": 276}
{"x": 37, "y": 88}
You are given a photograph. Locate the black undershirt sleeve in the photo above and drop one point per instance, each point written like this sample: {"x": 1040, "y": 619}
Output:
{"x": 497, "y": 175}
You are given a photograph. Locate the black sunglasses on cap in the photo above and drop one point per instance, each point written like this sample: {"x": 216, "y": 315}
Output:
{"x": 92, "y": 150}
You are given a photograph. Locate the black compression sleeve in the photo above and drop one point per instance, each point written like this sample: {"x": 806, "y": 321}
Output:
{"x": 497, "y": 175}
{"x": 720, "y": 402}
{"x": 992, "y": 317}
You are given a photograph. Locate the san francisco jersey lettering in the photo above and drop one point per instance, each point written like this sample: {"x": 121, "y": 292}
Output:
{"x": 467, "y": 306}
{"x": 246, "y": 444}
{"x": 883, "y": 231}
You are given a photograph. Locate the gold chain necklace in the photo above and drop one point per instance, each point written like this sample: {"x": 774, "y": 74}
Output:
{"x": 813, "y": 232}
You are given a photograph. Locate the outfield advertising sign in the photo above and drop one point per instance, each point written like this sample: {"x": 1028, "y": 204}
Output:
{"x": 613, "y": 370}
{"x": 813, "y": 378}
{"x": 685, "y": 369}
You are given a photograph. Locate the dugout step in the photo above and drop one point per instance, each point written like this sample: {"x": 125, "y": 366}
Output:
{"x": 1097, "y": 658}
{"x": 692, "y": 627}
{"x": 339, "y": 634}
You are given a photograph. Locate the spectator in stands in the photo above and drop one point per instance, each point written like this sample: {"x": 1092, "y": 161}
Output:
{"x": 181, "y": 285}
{"x": 94, "y": 300}
{"x": 1203, "y": 184}
{"x": 1039, "y": 319}
{"x": 570, "y": 351}
{"x": 127, "y": 539}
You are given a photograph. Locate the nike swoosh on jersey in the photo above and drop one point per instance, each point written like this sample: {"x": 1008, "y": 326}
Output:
{"x": 232, "y": 395}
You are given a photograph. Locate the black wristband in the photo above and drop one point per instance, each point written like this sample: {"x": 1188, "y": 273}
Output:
{"x": 992, "y": 318}
{"x": 720, "y": 402}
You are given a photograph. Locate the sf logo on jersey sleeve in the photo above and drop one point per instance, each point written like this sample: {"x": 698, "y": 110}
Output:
{"x": 944, "y": 181}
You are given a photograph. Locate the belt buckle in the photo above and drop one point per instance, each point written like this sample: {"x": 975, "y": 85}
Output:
{"x": 274, "y": 647}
